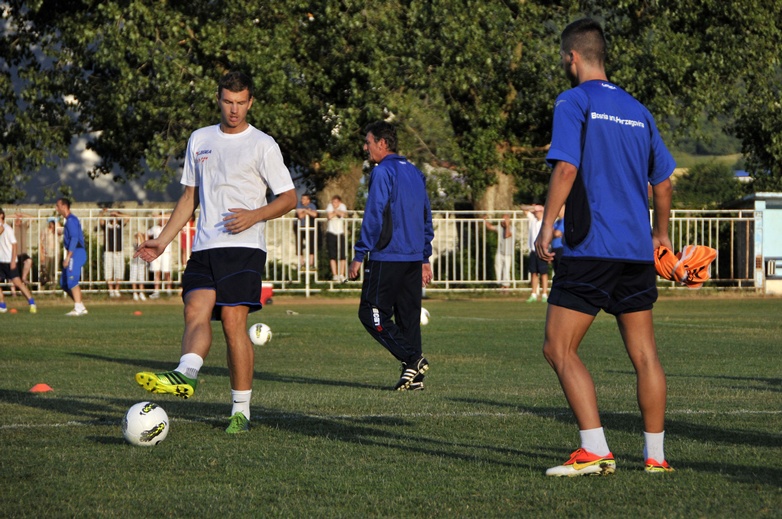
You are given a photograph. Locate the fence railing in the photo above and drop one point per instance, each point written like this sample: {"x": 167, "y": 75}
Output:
{"x": 464, "y": 249}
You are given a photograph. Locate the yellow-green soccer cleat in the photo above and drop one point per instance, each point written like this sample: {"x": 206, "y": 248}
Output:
{"x": 585, "y": 463}
{"x": 169, "y": 382}
{"x": 653, "y": 466}
{"x": 238, "y": 424}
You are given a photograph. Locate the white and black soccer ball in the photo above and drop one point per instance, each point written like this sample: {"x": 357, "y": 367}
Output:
{"x": 145, "y": 424}
{"x": 424, "y": 316}
{"x": 260, "y": 334}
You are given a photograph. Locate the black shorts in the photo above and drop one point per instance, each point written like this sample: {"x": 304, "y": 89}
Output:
{"x": 336, "y": 246}
{"x": 616, "y": 287}
{"x": 7, "y": 273}
{"x": 537, "y": 265}
{"x": 304, "y": 236}
{"x": 234, "y": 273}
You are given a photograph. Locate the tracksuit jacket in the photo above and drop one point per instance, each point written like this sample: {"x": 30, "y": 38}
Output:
{"x": 397, "y": 223}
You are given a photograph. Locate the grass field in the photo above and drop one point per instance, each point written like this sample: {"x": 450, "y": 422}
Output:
{"x": 329, "y": 438}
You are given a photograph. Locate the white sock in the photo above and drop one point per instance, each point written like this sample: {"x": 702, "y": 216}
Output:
{"x": 79, "y": 307}
{"x": 653, "y": 446}
{"x": 190, "y": 364}
{"x": 241, "y": 402}
{"x": 594, "y": 440}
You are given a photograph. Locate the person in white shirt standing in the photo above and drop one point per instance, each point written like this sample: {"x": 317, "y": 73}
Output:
{"x": 336, "y": 211}
{"x": 228, "y": 169}
{"x": 538, "y": 268}
{"x": 9, "y": 270}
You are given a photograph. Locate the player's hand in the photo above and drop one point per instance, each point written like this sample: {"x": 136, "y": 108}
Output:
{"x": 661, "y": 240}
{"x": 543, "y": 243}
{"x": 355, "y": 270}
{"x": 149, "y": 250}
{"x": 426, "y": 274}
{"x": 239, "y": 220}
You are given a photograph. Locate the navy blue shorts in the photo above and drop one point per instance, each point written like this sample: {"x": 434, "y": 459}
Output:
{"x": 7, "y": 273}
{"x": 234, "y": 273}
{"x": 616, "y": 287}
{"x": 537, "y": 265}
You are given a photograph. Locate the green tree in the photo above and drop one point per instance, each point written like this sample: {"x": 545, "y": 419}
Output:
{"x": 471, "y": 84}
{"x": 709, "y": 185}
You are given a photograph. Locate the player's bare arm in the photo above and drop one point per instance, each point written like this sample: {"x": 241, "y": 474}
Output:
{"x": 242, "y": 219}
{"x": 662, "y": 194}
{"x": 185, "y": 207}
{"x": 562, "y": 178}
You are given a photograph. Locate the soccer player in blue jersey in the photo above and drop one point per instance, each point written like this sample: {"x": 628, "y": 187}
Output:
{"x": 605, "y": 151}
{"x": 75, "y": 256}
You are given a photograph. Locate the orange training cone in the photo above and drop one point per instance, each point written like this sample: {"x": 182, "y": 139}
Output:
{"x": 40, "y": 388}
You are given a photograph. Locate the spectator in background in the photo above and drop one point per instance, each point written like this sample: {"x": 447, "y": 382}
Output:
{"x": 538, "y": 267}
{"x": 75, "y": 257}
{"x": 306, "y": 212}
{"x": 24, "y": 262}
{"x": 336, "y": 211}
{"x": 161, "y": 265}
{"x": 506, "y": 240}
{"x": 556, "y": 243}
{"x": 112, "y": 225}
{"x": 186, "y": 237}
{"x": 138, "y": 269}
{"x": 9, "y": 265}
{"x": 47, "y": 249}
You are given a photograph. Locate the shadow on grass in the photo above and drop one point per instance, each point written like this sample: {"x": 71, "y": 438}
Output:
{"x": 386, "y": 433}
{"x": 773, "y": 384}
{"x": 157, "y": 366}
{"x": 674, "y": 428}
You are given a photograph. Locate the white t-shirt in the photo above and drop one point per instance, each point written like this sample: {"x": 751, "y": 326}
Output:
{"x": 505, "y": 245}
{"x": 534, "y": 229}
{"x": 232, "y": 171}
{"x": 7, "y": 240}
{"x": 336, "y": 225}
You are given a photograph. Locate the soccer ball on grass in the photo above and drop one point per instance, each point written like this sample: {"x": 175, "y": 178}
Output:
{"x": 145, "y": 424}
{"x": 260, "y": 334}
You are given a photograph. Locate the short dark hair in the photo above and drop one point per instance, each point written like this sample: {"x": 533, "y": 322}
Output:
{"x": 2, "y": 213}
{"x": 65, "y": 201}
{"x": 383, "y": 130}
{"x": 235, "y": 81}
{"x": 585, "y": 36}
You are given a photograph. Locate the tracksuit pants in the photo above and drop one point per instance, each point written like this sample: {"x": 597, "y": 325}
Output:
{"x": 390, "y": 307}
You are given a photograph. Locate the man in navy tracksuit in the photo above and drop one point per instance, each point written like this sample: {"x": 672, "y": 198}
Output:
{"x": 396, "y": 241}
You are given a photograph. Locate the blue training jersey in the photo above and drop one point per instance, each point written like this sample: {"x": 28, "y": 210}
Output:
{"x": 397, "y": 224}
{"x": 73, "y": 237}
{"x": 613, "y": 141}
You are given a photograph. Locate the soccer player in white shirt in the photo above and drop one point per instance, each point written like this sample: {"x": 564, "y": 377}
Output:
{"x": 228, "y": 169}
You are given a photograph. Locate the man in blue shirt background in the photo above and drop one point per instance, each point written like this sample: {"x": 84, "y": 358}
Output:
{"x": 75, "y": 256}
{"x": 396, "y": 242}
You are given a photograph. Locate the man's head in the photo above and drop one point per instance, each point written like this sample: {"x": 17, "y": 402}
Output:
{"x": 234, "y": 97}
{"x": 63, "y": 206}
{"x": 305, "y": 199}
{"x": 380, "y": 140}
{"x": 2, "y": 215}
{"x": 583, "y": 44}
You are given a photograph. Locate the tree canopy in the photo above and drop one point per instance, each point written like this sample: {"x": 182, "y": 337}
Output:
{"x": 470, "y": 84}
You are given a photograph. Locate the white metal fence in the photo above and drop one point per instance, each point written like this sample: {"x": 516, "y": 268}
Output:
{"x": 463, "y": 249}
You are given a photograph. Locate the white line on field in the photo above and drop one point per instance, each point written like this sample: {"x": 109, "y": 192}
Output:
{"x": 476, "y": 414}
